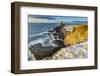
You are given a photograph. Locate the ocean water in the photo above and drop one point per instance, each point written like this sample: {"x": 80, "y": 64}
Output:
{"x": 36, "y": 32}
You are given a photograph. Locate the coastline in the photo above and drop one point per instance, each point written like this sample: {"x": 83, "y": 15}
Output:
{"x": 63, "y": 52}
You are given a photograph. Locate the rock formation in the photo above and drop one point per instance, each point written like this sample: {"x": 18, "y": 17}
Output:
{"x": 77, "y": 35}
{"x": 55, "y": 39}
{"x": 70, "y": 41}
{"x": 71, "y": 52}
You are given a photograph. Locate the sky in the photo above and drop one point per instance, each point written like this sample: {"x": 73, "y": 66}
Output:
{"x": 54, "y": 19}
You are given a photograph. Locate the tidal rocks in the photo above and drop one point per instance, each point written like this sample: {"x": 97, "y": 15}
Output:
{"x": 77, "y": 35}
{"x": 52, "y": 41}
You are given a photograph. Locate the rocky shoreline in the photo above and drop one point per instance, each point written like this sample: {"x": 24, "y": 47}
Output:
{"x": 52, "y": 42}
{"x": 67, "y": 43}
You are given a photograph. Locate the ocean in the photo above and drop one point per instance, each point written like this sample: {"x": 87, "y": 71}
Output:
{"x": 36, "y": 30}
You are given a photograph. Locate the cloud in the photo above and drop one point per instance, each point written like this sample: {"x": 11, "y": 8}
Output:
{"x": 42, "y": 17}
{"x": 39, "y": 20}
{"x": 36, "y": 20}
{"x": 54, "y": 19}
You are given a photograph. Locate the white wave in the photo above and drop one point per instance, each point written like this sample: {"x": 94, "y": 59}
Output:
{"x": 31, "y": 56}
{"x": 35, "y": 42}
{"x": 38, "y": 34}
{"x": 47, "y": 41}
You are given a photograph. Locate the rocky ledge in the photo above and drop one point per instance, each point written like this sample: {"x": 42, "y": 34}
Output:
{"x": 71, "y": 52}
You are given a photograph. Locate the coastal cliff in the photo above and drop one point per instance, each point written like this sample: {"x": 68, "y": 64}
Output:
{"x": 73, "y": 44}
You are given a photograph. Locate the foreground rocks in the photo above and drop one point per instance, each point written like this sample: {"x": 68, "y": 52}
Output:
{"x": 71, "y": 52}
{"x": 41, "y": 52}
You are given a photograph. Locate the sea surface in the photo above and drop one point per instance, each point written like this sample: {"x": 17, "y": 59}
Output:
{"x": 36, "y": 30}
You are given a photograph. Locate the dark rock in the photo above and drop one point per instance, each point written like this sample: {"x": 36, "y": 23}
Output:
{"x": 55, "y": 34}
{"x": 58, "y": 43}
{"x": 41, "y": 52}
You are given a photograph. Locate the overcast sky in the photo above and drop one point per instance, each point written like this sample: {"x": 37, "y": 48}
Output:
{"x": 54, "y": 19}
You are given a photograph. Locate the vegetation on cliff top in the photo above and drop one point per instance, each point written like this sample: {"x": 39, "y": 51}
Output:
{"x": 77, "y": 35}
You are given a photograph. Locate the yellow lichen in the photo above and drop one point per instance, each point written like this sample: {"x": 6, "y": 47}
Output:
{"x": 77, "y": 35}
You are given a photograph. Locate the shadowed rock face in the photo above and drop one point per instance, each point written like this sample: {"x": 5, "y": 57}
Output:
{"x": 41, "y": 52}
